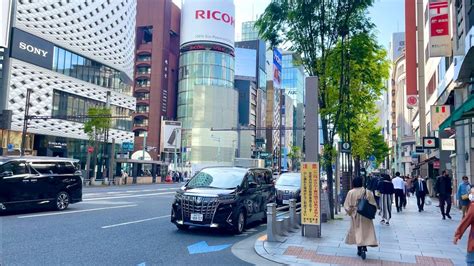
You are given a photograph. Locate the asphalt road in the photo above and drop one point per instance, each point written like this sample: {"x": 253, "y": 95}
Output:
{"x": 113, "y": 226}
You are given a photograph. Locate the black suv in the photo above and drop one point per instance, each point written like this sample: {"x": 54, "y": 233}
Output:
{"x": 39, "y": 181}
{"x": 223, "y": 197}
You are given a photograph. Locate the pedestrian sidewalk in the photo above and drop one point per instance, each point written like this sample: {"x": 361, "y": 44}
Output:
{"x": 412, "y": 238}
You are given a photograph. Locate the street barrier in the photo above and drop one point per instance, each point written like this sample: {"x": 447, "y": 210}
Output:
{"x": 282, "y": 220}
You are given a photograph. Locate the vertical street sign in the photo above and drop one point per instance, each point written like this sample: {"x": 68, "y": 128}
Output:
{"x": 440, "y": 39}
{"x": 310, "y": 203}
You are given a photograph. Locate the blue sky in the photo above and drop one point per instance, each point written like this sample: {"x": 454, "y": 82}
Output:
{"x": 388, "y": 15}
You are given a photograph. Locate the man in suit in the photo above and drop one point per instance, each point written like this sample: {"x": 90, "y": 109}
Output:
{"x": 421, "y": 189}
{"x": 444, "y": 189}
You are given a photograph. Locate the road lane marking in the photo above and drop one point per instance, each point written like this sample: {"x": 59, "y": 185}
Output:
{"x": 130, "y": 196}
{"x": 127, "y": 191}
{"x": 135, "y": 222}
{"x": 78, "y": 211}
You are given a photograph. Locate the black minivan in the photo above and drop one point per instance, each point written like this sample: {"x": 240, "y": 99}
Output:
{"x": 31, "y": 181}
{"x": 223, "y": 197}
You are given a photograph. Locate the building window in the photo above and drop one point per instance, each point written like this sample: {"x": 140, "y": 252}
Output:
{"x": 141, "y": 70}
{"x": 74, "y": 65}
{"x": 145, "y": 34}
{"x": 144, "y": 57}
{"x": 71, "y": 107}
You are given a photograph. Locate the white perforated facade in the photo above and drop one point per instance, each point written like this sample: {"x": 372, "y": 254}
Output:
{"x": 103, "y": 30}
{"x": 100, "y": 30}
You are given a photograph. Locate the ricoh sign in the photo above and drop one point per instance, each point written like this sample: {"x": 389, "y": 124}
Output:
{"x": 32, "y": 49}
{"x": 204, "y": 21}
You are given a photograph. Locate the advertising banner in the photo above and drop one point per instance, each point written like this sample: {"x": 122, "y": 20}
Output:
{"x": 170, "y": 136}
{"x": 440, "y": 39}
{"x": 32, "y": 49}
{"x": 207, "y": 21}
{"x": 439, "y": 113}
{"x": 5, "y": 13}
{"x": 310, "y": 203}
{"x": 277, "y": 58}
{"x": 448, "y": 144}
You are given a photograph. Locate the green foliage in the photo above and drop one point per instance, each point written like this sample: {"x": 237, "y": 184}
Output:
{"x": 368, "y": 140}
{"x": 295, "y": 156}
{"x": 98, "y": 123}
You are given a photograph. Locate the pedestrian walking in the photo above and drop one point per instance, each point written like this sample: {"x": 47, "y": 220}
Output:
{"x": 386, "y": 191}
{"x": 463, "y": 195}
{"x": 467, "y": 221}
{"x": 361, "y": 231}
{"x": 405, "y": 193}
{"x": 398, "y": 185}
{"x": 372, "y": 185}
{"x": 444, "y": 190}
{"x": 421, "y": 189}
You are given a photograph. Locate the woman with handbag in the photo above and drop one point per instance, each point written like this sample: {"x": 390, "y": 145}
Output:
{"x": 463, "y": 195}
{"x": 359, "y": 204}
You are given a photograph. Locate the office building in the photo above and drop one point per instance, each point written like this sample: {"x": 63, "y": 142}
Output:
{"x": 207, "y": 98}
{"x": 71, "y": 56}
{"x": 156, "y": 72}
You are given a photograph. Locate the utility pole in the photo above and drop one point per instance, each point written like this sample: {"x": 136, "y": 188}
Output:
{"x": 25, "y": 122}
{"x": 281, "y": 131}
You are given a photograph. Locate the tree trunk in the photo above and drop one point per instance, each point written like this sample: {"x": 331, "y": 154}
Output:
{"x": 328, "y": 166}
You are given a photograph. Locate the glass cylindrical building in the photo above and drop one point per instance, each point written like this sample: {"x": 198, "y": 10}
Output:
{"x": 206, "y": 95}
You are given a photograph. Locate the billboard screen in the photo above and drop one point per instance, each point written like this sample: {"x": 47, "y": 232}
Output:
{"x": 170, "y": 136}
{"x": 440, "y": 40}
{"x": 208, "y": 21}
{"x": 276, "y": 69}
{"x": 245, "y": 62}
{"x": 5, "y": 11}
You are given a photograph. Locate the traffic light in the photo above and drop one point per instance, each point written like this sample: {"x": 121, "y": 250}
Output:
{"x": 6, "y": 119}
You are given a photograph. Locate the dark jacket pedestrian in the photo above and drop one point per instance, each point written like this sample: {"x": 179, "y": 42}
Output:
{"x": 386, "y": 191}
{"x": 445, "y": 190}
{"x": 421, "y": 189}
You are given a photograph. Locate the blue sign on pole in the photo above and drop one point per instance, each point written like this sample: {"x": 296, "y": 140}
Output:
{"x": 372, "y": 158}
{"x": 127, "y": 146}
{"x": 10, "y": 147}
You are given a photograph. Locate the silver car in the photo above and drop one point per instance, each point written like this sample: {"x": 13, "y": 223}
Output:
{"x": 288, "y": 186}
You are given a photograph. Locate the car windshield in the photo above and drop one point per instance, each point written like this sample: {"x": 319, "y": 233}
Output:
{"x": 224, "y": 178}
{"x": 293, "y": 180}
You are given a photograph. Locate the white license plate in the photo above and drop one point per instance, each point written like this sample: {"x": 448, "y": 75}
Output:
{"x": 285, "y": 201}
{"x": 197, "y": 217}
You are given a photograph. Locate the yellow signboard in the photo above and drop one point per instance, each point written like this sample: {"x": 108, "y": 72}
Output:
{"x": 310, "y": 203}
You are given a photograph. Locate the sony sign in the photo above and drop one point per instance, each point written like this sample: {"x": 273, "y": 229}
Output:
{"x": 32, "y": 49}
{"x": 207, "y": 21}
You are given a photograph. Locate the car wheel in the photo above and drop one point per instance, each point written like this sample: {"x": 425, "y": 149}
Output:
{"x": 239, "y": 227}
{"x": 62, "y": 201}
{"x": 183, "y": 227}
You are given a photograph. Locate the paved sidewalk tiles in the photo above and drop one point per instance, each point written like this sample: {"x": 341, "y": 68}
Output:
{"x": 412, "y": 238}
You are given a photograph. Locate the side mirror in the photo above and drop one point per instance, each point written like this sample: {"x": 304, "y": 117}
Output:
{"x": 6, "y": 173}
{"x": 253, "y": 185}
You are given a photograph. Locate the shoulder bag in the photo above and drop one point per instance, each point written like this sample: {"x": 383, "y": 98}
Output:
{"x": 366, "y": 209}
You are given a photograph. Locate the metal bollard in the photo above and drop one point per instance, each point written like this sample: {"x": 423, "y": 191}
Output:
{"x": 293, "y": 218}
{"x": 271, "y": 222}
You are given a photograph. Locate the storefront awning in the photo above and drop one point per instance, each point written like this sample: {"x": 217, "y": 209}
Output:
{"x": 466, "y": 72}
{"x": 465, "y": 111}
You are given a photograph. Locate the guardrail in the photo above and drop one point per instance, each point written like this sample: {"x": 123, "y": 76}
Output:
{"x": 282, "y": 220}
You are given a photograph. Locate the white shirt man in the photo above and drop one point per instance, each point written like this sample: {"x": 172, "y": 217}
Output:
{"x": 399, "y": 186}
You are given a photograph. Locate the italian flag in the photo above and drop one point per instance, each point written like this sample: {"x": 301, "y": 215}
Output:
{"x": 440, "y": 109}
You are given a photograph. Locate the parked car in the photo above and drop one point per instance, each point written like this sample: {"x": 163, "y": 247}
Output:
{"x": 288, "y": 186}
{"x": 223, "y": 197}
{"x": 31, "y": 181}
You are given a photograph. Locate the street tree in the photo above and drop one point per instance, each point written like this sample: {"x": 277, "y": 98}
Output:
{"x": 98, "y": 123}
{"x": 368, "y": 141}
{"x": 313, "y": 28}
{"x": 295, "y": 157}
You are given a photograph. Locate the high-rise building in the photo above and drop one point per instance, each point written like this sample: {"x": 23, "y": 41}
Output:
{"x": 71, "y": 56}
{"x": 251, "y": 65}
{"x": 156, "y": 72}
{"x": 293, "y": 84}
{"x": 249, "y": 32}
{"x": 207, "y": 98}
